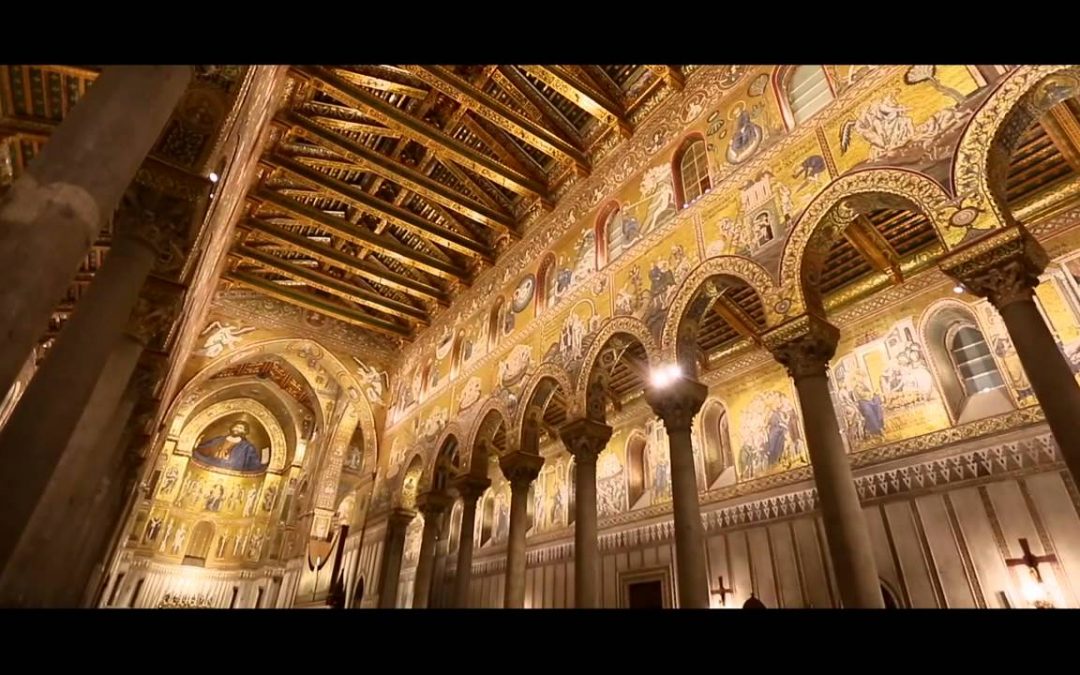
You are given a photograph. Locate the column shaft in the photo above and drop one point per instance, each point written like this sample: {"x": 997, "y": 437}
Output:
{"x": 463, "y": 575}
{"x": 677, "y": 404}
{"x": 586, "y": 546}
{"x": 51, "y": 216}
{"x": 1050, "y": 375}
{"x": 846, "y": 532}
{"x": 48, "y": 414}
{"x": 392, "y": 554}
{"x": 432, "y": 505}
{"x": 693, "y": 577}
{"x": 515, "y": 548}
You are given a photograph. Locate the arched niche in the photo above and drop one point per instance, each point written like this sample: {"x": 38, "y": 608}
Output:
{"x": 193, "y": 430}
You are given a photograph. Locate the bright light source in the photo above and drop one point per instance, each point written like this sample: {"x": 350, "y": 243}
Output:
{"x": 213, "y": 178}
{"x": 665, "y": 375}
{"x": 958, "y": 288}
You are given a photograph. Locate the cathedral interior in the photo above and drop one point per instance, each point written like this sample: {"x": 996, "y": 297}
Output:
{"x": 559, "y": 336}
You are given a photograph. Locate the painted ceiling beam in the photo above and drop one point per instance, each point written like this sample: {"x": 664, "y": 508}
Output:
{"x": 316, "y": 304}
{"x": 672, "y": 75}
{"x": 360, "y": 235}
{"x": 1064, "y": 132}
{"x": 380, "y": 208}
{"x": 423, "y": 133}
{"x": 352, "y": 264}
{"x": 405, "y": 176}
{"x": 332, "y": 285}
{"x": 522, "y": 128}
{"x": 594, "y": 103}
{"x": 513, "y": 78}
{"x": 380, "y": 83}
{"x": 874, "y": 247}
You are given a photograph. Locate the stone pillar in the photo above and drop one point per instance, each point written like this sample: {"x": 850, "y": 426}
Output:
{"x": 48, "y": 416}
{"x": 396, "y": 523}
{"x": 470, "y": 488}
{"x": 677, "y": 404}
{"x": 1007, "y": 276}
{"x": 804, "y": 347}
{"x": 521, "y": 469}
{"x": 54, "y": 212}
{"x": 585, "y": 439}
{"x": 433, "y": 505}
{"x": 42, "y": 570}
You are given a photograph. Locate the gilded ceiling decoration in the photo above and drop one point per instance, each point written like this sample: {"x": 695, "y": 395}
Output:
{"x": 385, "y": 190}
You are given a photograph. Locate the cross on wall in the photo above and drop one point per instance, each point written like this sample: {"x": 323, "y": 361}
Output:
{"x": 1032, "y": 562}
{"x": 722, "y": 591}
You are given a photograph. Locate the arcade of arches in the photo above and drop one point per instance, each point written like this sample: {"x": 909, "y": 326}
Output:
{"x": 540, "y": 336}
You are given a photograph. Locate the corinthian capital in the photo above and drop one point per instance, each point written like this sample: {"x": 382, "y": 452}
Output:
{"x": 470, "y": 487}
{"x": 161, "y": 209}
{"x": 585, "y": 438}
{"x": 803, "y": 346}
{"x": 521, "y": 468}
{"x": 677, "y": 403}
{"x": 1003, "y": 267}
{"x": 433, "y": 503}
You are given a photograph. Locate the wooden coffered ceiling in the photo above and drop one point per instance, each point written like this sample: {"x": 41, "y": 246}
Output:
{"x": 385, "y": 189}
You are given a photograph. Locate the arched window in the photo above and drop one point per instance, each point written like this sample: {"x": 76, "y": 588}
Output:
{"x": 965, "y": 365}
{"x": 618, "y": 233}
{"x": 635, "y": 463}
{"x": 973, "y": 361}
{"x": 804, "y": 90}
{"x": 717, "y": 441}
{"x": 548, "y": 288}
{"x": 487, "y": 518}
{"x": 455, "y": 527}
{"x": 571, "y": 490}
{"x": 495, "y": 322}
{"x": 691, "y": 168}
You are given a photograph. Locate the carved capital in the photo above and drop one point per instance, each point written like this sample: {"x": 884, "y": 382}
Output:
{"x": 433, "y": 504}
{"x": 400, "y": 518}
{"x": 470, "y": 488}
{"x": 677, "y": 403}
{"x": 155, "y": 312}
{"x": 585, "y": 439}
{"x": 521, "y": 469}
{"x": 803, "y": 346}
{"x": 1002, "y": 268}
{"x": 161, "y": 209}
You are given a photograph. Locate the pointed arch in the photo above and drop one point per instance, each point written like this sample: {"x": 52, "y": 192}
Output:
{"x": 547, "y": 371}
{"x": 485, "y": 425}
{"x": 679, "y": 319}
{"x": 982, "y": 155}
{"x": 825, "y": 219}
{"x": 305, "y": 356}
{"x": 625, "y": 325}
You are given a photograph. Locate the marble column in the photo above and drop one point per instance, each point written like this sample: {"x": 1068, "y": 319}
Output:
{"x": 393, "y": 551}
{"x": 521, "y": 469}
{"x": 585, "y": 439}
{"x": 677, "y": 404}
{"x": 804, "y": 348}
{"x": 42, "y": 571}
{"x": 432, "y": 505}
{"x": 1007, "y": 276}
{"x": 470, "y": 488}
{"x": 48, "y": 416}
{"x": 53, "y": 213}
